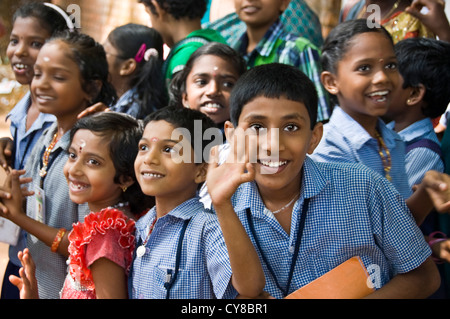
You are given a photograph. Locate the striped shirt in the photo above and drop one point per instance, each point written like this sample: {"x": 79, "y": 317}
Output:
{"x": 346, "y": 141}
{"x": 421, "y": 159}
{"x": 281, "y": 47}
{"x": 204, "y": 270}
{"x": 60, "y": 211}
{"x": 352, "y": 212}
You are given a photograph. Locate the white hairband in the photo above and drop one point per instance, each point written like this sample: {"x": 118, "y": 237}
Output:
{"x": 63, "y": 13}
{"x": 149, "y": 53}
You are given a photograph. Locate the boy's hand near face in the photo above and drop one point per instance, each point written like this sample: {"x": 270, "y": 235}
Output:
{"x": 224, "y": 179}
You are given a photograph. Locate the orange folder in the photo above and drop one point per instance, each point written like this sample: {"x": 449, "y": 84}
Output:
{"x": 349, "y": 280}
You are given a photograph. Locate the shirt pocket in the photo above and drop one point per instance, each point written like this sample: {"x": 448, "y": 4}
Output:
{"x": 181, "y": 286}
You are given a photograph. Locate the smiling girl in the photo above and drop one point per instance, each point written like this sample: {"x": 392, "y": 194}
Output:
{"x": 33, "y": 24}
{"x": 70, "y": 74}
{"x": 99, "y": 171}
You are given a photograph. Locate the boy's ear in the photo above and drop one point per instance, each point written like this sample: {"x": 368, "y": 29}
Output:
{"x": 128, "y": 67}
{"x": 328, "y": 80}
{"x": 229, "y": 130}
{"x": 159, "y": 10}
{"x": 202, "y": 170}
{"x": 416, "y": 95}
{"x": 317, "y": 133}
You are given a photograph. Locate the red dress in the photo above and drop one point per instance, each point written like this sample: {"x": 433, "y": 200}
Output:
{"x": 105, "y": 234}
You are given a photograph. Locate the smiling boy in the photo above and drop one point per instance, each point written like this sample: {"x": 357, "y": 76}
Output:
{"x": 306, "y": 218}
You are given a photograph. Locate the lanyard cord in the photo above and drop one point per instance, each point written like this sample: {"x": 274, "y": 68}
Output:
{"x": 169, "y": 278}
{"x": 297, "y": 246}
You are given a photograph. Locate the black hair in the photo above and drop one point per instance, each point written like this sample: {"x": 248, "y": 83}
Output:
{"x": 340, "y": 39}
{"x": 426, "y": 61}
{"x": 148, "y": 78}
{"x": 180, "y": 117}
{"x": 178, "y": 84}
{"x": 49, "y": 18}
{"x": 179, "y": 9}
{"x": 274, "y": 80}
{"x": 122, "y": 132}
{"x": 90, "y": 57}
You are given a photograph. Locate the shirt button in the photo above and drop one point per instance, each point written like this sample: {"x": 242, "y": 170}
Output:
{"x": 291, "y": 249}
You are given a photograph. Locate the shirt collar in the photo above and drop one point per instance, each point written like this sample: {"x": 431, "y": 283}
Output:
{"x": 184, "y": 211}
{"x": 416, "y": 130}
{"x": 356, "y": 134}
{"x": 312, "y": 184}
{"x": 266, "y": 44}
{"x": 20, "y": 110}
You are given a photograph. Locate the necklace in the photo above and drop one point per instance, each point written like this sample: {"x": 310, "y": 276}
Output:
{"x": 287, "y": 205}
{"x": 46, "y": 155}
{"x": 385, "y": 155}
{"x": 141, "y": 250}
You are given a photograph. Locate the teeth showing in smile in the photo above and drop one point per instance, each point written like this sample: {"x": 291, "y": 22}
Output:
{"x": 212, "y": 105}
{"x": 273, "y": 164}
{"x": 152, "y": 175}
{"x": 45, "y": 97}
{"x": 77, "y": 186}
{"x": 20, "y": 66}
{"x": 380, "y": 95}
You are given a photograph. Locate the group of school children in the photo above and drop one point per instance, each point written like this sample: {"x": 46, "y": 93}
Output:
{"x": 245, "y": 164}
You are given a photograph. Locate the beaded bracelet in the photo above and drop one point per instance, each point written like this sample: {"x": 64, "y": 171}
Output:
{"x": 434, "y": 240}
{"x": 59, "y": 236}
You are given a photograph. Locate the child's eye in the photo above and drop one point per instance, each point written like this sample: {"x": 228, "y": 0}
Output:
{"x": 13, "y": 41}
{"x": 93, "y": 162}
{"x": 364, "y": 68}
{"x": 72, "y": 156}
{"x": 228, "y": 84}
{"x": 59, "y": 78}
{"x": 391, "y": 66}
{"x": 143, "y": 148}
{"x": 200, "y": 82}
{"x": 256, "y": 127}
{"x": 168, "y": 149}
{"x": 36, "y": 44}
{"x": 291, "y": 128}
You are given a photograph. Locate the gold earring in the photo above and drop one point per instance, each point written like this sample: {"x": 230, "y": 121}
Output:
{"x": 124, "y": 189}
{"x": 409, "y": 101}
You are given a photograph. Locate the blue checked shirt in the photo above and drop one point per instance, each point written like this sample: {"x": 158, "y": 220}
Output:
{"x": 281, "y": 47}
{"x": 352, "y": 212}
{"x": 346, "y": 141}
{"x": 127, "y": 104}
{"x": 421, "y": 159}
{"x": 204, "y": 271}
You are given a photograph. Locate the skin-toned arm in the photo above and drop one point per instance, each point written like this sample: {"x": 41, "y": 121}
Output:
{"x": 110, "y": 279}
{"x": 6, "y": 147}
{"x": 223, "y": 180}
{"x": 418, "y": 283}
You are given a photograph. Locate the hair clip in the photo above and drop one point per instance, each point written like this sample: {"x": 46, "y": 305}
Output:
{"x": 140, "y": 54}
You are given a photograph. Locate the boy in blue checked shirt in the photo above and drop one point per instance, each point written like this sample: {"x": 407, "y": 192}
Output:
{"x": 306, "y": 218}
{"x": 265, "y": 41}
{"x": 181, "y": 250}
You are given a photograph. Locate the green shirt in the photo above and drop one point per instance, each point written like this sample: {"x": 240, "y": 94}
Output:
{"x": 182, "y": 50}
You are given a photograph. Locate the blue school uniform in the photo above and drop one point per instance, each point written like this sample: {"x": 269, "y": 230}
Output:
{"x": 346, "y": 141}
{"x": 204, "y": 267}
{"x": 352, "y": 211}
{"x": 421, "y": 157}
